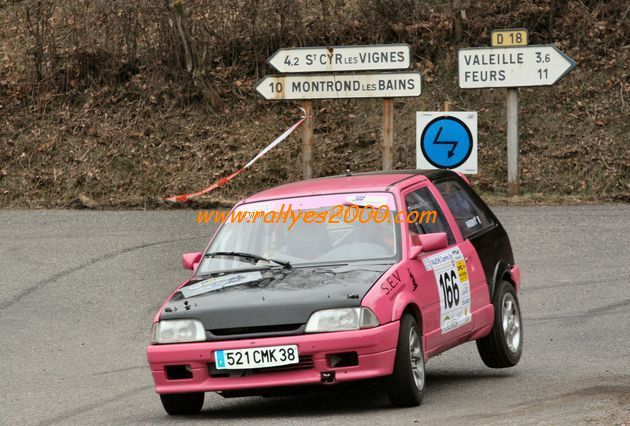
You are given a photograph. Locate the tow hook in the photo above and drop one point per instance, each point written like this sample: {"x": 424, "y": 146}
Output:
{"x": 328, "y": 377}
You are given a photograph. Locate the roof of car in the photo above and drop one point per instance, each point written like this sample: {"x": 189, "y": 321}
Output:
{"x": 359, "y": 182}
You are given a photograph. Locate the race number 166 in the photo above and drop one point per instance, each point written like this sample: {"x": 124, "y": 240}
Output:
{"x": 450, "y": 289}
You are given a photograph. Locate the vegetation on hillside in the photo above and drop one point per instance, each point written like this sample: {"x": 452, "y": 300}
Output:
{"x": 118, "y": 103}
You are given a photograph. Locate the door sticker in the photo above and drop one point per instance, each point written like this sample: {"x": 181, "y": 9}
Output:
{"x": 427, "y": 264}
{"x": 453, "y": 287}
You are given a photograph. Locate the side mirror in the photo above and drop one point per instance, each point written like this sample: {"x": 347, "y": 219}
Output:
{"x": 191, "y": 260}
{"x": 427, "y": 242}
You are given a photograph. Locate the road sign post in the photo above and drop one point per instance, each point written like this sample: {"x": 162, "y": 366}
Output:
{"x": 307, "y": 140}
{"x": 331, "y": 60}
{"x": 512, "y": 141}
{"x": 514, "y": 66}
{"x": 388, "y": 133}
{"x": 304, "y": 87}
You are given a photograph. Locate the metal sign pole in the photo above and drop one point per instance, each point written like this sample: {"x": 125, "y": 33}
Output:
{"x": 388, "y": 133}
{"x": 307, "y": 139}
{"x": 512, "y": 140}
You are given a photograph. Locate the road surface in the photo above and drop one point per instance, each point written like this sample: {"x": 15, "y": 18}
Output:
{"x": 79, "y": 288}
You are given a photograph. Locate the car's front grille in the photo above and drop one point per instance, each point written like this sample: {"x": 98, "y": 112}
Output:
{"x": 306, "y": 362}
{"x": 256, "y": 331}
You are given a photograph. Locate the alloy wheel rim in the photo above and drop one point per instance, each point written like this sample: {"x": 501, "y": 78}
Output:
{"x": 417, "y": 361}
{"x": 511, "y": 322}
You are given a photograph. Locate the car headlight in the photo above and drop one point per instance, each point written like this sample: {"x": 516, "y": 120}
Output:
{"x": 341, "y": 319}
{"x": 178, "y": 331}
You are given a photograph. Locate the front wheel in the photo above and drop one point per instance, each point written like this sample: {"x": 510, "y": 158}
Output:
{"x": 504, "y": 345}
{"x": 182, "y": 403}
{"x": 405, "y": 385}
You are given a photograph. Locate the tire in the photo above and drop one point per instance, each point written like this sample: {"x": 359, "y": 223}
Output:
{"x": 182, "y": 403}
{"x": 406, "y": 384}
{"x": 503, "y": 347}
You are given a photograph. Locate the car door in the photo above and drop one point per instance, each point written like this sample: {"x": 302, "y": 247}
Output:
{"x": 442, "y": 275}
{"x": 478, "y": 229}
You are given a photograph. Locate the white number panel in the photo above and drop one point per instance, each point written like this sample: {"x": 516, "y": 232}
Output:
{"x": 451, "y": 276}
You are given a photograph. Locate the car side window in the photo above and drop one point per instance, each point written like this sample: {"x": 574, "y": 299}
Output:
{"x": 469, "y": 216}
{"x": 430, "y": 218}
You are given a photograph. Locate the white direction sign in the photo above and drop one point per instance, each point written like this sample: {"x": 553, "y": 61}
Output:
{"x": 342, "y": 58}
{"x": 340, "y": 86}
{"x": 488, "y": 67}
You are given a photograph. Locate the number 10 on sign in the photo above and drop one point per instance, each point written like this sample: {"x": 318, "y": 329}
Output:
{"x": 275, "y": 86}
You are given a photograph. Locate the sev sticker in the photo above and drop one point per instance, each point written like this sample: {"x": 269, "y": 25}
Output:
{"x": 451, "y": 276}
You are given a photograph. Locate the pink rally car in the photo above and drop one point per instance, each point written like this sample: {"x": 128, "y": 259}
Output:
{"x": 276, "y": 305}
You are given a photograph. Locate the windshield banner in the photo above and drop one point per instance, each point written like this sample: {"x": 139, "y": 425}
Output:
{"x": 218, "y": 283}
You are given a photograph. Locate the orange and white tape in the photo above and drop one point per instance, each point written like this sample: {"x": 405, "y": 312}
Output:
{"x": 223, "y": 181}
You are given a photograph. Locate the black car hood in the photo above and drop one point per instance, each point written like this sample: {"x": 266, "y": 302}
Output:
{"x": 279, "y": 297}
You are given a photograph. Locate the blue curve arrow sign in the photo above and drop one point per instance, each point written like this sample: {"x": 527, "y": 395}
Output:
{"x": 446, "y": 142}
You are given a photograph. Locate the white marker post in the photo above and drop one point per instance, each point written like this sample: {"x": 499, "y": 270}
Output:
{"x": 512, "y": 67}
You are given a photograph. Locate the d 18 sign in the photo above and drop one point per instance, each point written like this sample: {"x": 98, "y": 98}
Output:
{"x": 511, "y": 37}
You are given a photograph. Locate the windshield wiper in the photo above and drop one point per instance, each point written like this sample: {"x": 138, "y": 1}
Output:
{"x": 249, "y": 256}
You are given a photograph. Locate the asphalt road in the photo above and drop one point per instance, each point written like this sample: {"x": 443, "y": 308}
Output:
{"x": 78, "y": 290}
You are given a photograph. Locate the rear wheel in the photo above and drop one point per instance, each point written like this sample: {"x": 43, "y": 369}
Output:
{"x": 504, "y": 345}
{"x": 182, "y": 403}
{"x": 405, "y": 385}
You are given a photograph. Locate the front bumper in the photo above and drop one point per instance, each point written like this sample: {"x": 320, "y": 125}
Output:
{"x": 375, "y": 348}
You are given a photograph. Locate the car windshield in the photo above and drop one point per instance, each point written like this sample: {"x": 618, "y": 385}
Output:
{"x": 335, "y": 234}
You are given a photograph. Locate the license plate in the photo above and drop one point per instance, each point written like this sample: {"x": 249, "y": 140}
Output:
{"x": 271, "y": 356}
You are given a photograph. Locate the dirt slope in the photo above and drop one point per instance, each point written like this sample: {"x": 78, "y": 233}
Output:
{"x": 100, "y": 124}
